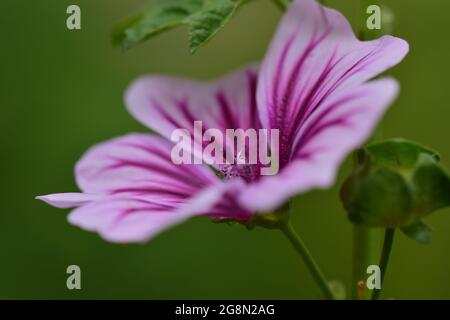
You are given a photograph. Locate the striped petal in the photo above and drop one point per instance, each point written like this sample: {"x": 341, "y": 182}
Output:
{"x": 69, "y": 199}
{"x": 340, "y": 124}
{"x": 136, "y": 218}
{"x": 132, "y": 190}
{"x": 164, "y": 104}
{"x": 314, "y": 55}
{"x": 140, "y": 163}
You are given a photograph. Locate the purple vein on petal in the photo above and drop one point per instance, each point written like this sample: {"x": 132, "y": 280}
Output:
{"x": 253, "y": 109}
{"x": 152, "y": 190}
{"x": 226, "y": 112}
{"x": 302, "y": 110}
{"x": 316, "y": 126}
{"x": 176, "y": 175}
{"x": 278, "y": 75}
{"x": 164, "y": 114}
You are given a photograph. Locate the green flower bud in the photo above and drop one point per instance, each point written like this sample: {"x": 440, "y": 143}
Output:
{"x": 396, "y": 183}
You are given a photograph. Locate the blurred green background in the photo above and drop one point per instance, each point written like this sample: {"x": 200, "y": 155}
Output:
{"x": 62, "y": 91}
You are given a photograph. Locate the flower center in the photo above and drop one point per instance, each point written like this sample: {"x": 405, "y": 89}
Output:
{"x": 248, "y": 172}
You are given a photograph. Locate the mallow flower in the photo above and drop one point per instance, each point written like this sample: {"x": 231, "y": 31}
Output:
{"x": 314, "y": 85}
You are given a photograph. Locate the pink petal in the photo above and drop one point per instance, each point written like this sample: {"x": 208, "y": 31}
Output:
{"x": 314, "y": 54}
{"x": 164, "y": 104}
{"x": 134, "y": 191}
{"x": 69, "y": 200}
{"x": 140, "y": 164}
{"x": 128, "y": 218}
{"x": 339, "y": 125}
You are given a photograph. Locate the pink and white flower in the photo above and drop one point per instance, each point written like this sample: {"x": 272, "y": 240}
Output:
{"x": 314, "y": 85}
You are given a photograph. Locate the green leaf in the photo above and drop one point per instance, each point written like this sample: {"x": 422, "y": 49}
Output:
{"x": 162, "y": 15}
{"x": 394, "y": 184}
{"x": 418, "y": 231}
{"x": 205, "y": 23}
{"x": 205, "y": 18}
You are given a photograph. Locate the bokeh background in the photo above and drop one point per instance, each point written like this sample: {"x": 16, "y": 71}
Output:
{"x": 62, "y": 91}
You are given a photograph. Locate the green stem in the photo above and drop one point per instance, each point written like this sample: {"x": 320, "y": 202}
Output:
{"x": 302, "y": 250}
{"x": 384, "y": 260}
{"x": 363, "y": 256}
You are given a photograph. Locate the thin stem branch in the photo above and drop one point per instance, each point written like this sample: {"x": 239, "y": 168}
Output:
{"x": 302, "y": 250}
{"x": 384, "y": 260}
